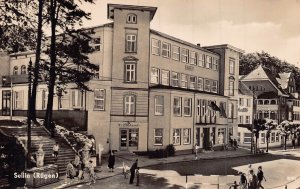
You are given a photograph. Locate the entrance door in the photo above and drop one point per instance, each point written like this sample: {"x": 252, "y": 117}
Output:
{"x": 206, "y": 143}
{"x": 198, "y": 136}
{"x": 6, "y": 98}
{"x": 129, "y": 139}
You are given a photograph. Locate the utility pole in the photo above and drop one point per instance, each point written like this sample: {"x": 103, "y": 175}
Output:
{"x": 252, "y": 125}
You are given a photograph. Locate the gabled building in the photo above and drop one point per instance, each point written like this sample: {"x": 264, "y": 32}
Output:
{"x": 151, "y": 90}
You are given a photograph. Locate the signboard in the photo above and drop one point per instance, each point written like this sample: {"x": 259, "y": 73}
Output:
{"x": 188, "y": 67}
{"x": 243, "y": 109}
{"x": 128, "y": 124}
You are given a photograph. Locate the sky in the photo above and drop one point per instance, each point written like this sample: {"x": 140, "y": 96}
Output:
{"x": 272, "y": 26}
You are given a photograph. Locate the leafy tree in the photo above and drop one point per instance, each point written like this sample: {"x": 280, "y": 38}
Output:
{"x": 269, "y": 127}
{"x": 259, "y": 125}
{"x": 286, "y": 128}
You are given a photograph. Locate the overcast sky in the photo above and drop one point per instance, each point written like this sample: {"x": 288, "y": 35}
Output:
{"x": 252, "y": 25}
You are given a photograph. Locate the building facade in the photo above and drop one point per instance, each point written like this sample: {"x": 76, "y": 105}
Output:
{"x": 151, "y": 89}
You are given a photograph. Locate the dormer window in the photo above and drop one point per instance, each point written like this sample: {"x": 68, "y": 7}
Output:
{"x": 131, "y": 19}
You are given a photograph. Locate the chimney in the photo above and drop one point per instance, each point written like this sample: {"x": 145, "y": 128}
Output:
{"x": 198, "y": 44}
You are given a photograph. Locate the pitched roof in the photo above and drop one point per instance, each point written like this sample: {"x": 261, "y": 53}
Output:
{"x": 244, "y": 90}
{"x": 268, "y": 95}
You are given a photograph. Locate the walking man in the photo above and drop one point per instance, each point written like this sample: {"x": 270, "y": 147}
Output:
{"x": 111, "y": 162}
{"x": 260, "y": 177}
{"x": 55, "y": 150}
{"x": 196, "y": 151}
{"x": 243, "y": 181}
{"x": 137, "y": 172}
{"x": 252, "y": 184}
{"x": 132, "y": 171}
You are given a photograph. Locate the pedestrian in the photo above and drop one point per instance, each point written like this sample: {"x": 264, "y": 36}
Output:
{"x": 235, "y": 145}
{"x": 92, "y": 176}
{"x": 132, "y": 171}
{"x": 230, "y": 139}
{"x": 249, "y": 169}
{"x": 125, "y": 171}
{"x": 294, "y": 141}
{"x": 137, "y": 173}
{"x": 111, "y": 161}
{"x": 252, "y": 180}
{"x": 52, "y": 128}
{"x": 243, "y": 180}
{"x": 234, "y": 186}
{"x": 196, "y": 151}
{"x": 260, "y": 177}
{"x": 55, "y": 150}
{"x": 93, "y": 147}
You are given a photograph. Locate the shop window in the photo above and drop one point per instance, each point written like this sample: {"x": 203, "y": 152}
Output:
{"x": 247, "y": 138}
{"x": 176, "y": 136}
{"x": 186, "y": 136}
{"x": 19, "y": 100}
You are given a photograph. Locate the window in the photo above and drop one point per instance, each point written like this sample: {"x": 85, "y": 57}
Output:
{"x": 159, "y": 105}
{"x": 76, "y": 97}
{"x": 193, "y": 82}
{"x": 247, "y": 119}
{"x": 96, "y": 44}
{"x": 177, "y": 106}
{"x": 130, "y": 43}
{"x": 214, "y": 86}
{"x": 131, "y": 19}
{"x": 15, "y": 70}
{"x": 176, "y": 136}
{"x": 44, "y": 98}
{"x": 165, "y": 77}
{"x": 200, "y": 83}
{"x": 166, "y": 50}
{"x": 207, "y": 85}
{"x": 129, "y": 104}
{"x": 209, "y": 62}
{"x": 248, "y": 102}
{"x": 155, "y": 75}
{"x": 155, "y": 47}
{"x": 247, "y": 138}
{"x": 130, "y": 70}
{"x": 186, "y": 136}
{"x": 272, "y": 137}
{"x": 64, "y": 100}
{"x": 158, "y": 136}
{"x": 231, "y": 88}
{"x": 18, "y": 100}
{"x": 23, "y": 70}
{"x": 277, "y": 137}
{"x": 184, "y": 80}
{"x": 175, "y": 79}
{"x": 99, "y": 99}
{"x": 262, "y": 138}
{"x": 176, "y": 52}
{"x": 231, "y": 66}
{"x": 187, "y": 107}
{"x": 193, "y": 58}
{"x": 241, "y": 120}
{"x": 185, "y": 56}
{"x": 230, "y": 110}
{"x": 241, "y": 102}
{"x": 215, "y": 64}
{"x": 201, "y": 60}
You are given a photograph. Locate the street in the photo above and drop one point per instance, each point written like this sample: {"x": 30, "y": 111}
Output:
{"x": 279, "y": 169}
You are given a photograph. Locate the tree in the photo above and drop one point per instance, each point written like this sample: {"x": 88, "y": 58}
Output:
{"x": 285, "y": 128}
{"x": 259, "y": 125}
{"x": 64, "y": 16}
{"x": 269, "y": 127}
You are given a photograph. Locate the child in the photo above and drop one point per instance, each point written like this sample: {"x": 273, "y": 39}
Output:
{"x": 55, "y": 150}
{"x": 70, "y": 172}
{"x": 125, "y": 170}
{"x": 137, "y": 173}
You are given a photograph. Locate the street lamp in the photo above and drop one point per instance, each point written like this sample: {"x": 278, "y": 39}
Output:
{"x": 4, "y": 79}
{"x": 29, "y": 116}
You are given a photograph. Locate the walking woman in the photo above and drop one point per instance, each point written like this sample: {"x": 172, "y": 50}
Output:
{"x": 111, "y": 162}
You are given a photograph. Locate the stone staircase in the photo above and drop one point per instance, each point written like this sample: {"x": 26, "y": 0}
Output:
{"x": 39, "y": 135}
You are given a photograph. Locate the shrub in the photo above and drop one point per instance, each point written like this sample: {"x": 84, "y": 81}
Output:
{"x": 170, "y": 150}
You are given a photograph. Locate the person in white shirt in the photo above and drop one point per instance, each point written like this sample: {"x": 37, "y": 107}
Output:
{"x": 55, "y": 150}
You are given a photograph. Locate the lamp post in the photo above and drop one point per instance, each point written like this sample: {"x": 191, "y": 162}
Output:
{"x": 29, "y": 117}
{"x": 4, "y": 79}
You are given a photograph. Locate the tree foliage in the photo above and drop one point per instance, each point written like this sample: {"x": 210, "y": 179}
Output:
{"x": 250, "y": 61}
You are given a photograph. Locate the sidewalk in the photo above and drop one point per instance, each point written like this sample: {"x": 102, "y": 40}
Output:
{"x": 144, "y": 161}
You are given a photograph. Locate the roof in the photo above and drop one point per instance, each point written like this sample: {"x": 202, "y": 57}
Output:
{"x": 284, "y": 79}
{"x": 181, "y": 41}
{"x": 111, "y": 7}
{"x": 227, "y": 46}
{"x": 262, "y": 73}
{"x": 244, "y": 90}
{"x": 268, "y": 95}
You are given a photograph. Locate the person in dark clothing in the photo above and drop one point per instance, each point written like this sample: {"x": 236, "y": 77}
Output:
{"x": 260, "y": 177}
{"x": 111, "y": 162}
{"x": 235, "y": 145}
{"x": 132, "y": 171}
{"x": 137, "y": 172}
{"x": 243, "y": 181}
{"x": 252, "y": 183}
{"x": 52, "y": 128}
{"x": 234, "y": 186}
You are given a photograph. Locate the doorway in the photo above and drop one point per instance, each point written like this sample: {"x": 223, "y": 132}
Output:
{"x": 206, "y": 143}
{"x": 129, "y": 139}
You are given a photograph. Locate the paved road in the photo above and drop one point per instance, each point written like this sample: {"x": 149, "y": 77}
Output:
{"x": 279, "y": 169}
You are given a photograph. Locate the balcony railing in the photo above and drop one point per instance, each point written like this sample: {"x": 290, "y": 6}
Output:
{"x": 7, "y": 80}
{"x": 205, "y": 119}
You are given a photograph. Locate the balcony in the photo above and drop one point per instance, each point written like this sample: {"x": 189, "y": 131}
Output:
{"x": 14, "y": 79}
{"x": 205, "y": 119}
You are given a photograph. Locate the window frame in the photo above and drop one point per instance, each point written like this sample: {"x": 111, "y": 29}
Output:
{"x": 231, "y": 66}
{"x": 176, "y": 137}
{"x": 184, "y": 56}
{"x": 207, "y": 85}
{"x": 193, "y": 83}
{"x": 200, "y": 83}
{"x": 18, "y": 100}
{"x": 208, "y": 62}
{"x": 100, "y": 98}
{"x": 184, "y": 81}
{"x": 129, "y": 44}
{"x": 177, "y": 107}
{"x": 164, "y": 78}
{"x": 214, "y": 86}
{"x": 193, "y": 59}
{"x": 188, "y": 137}
{"x": 201, "y": 60}
{"x": 188, "y": 107}
{"x": 176, "y": 53}
{"x": 167, "y": 50}
{"x": 156, "y": 105}
{"x": 130, "y": 103}
{"x": 130, "y": 20}
{"x": 215, "y": 64}
{"x": 175, "y": 79}
{"x": 16, "y": 70}
{"x": 153, "y": 47}
{"x": 130, "y": 71}
{"x": 157, "y": 136}
{"x": 231, "y": 88}
{"x": 157, "y": 76}
{"x": 23, "y": 70}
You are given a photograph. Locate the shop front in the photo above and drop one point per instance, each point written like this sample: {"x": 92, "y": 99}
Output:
{"x": 129, "y": 139}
